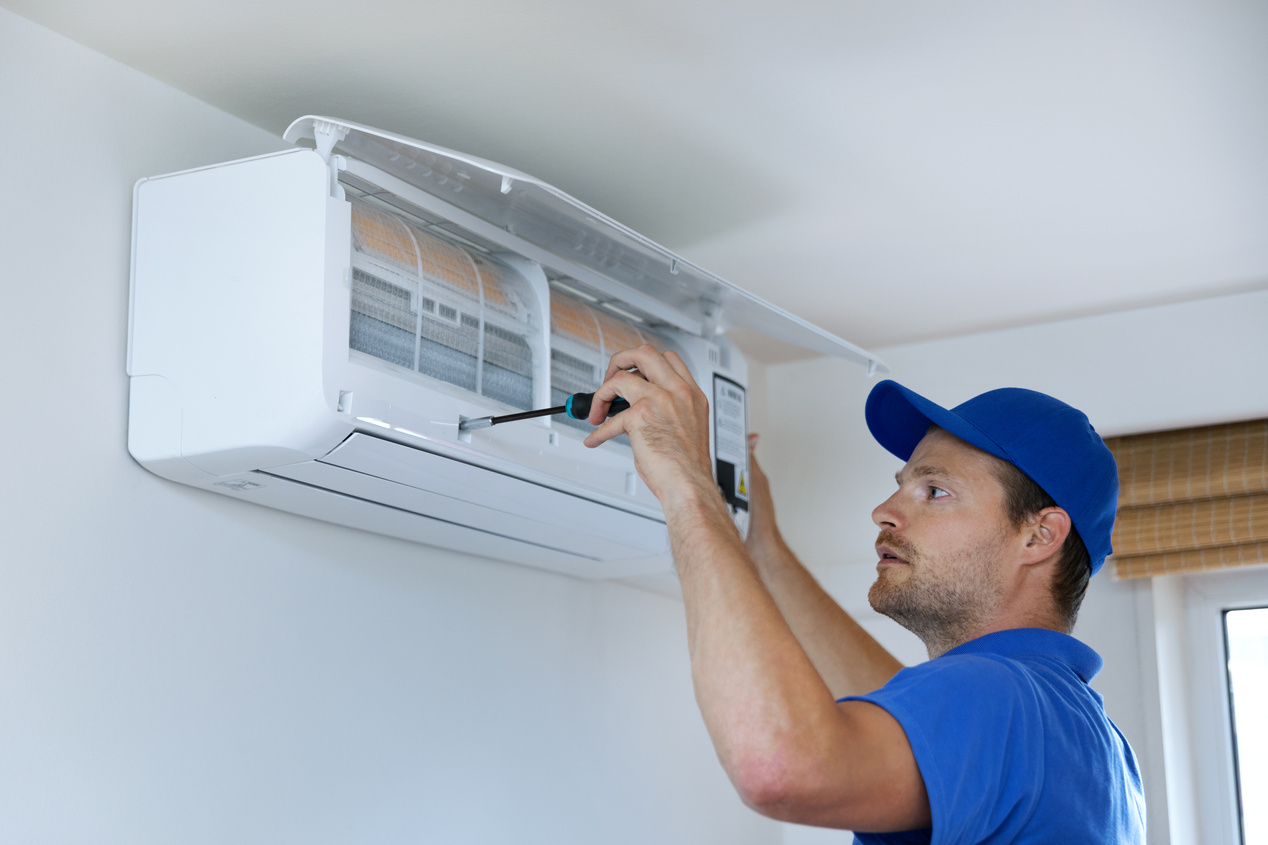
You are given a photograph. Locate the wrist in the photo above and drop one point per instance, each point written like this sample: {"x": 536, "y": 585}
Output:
{"x": 769, "y": 551}
{"x": 702, "y": 535}
{"x": 764, "y": 540}
{"x": 694, "y": 498}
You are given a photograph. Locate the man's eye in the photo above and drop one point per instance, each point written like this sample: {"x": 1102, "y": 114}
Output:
{"x": 937, "y": 493}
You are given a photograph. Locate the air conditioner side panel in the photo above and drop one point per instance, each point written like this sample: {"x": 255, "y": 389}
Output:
{"x": 230, "y": 271}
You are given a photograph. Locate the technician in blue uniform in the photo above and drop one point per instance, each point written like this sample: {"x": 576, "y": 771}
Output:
{"x": 1003, "y": 511}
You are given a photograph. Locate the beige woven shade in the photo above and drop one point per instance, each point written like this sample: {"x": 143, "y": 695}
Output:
{"x": 1191, "y": 499}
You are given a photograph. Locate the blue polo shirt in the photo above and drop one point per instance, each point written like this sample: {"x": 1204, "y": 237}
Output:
{"x": 1014, "y": 746}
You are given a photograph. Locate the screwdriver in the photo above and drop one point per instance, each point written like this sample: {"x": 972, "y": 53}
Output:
{"x": 577, "y": 406}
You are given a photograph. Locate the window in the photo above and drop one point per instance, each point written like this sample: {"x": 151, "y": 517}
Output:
{"x": 1246, "y": 644}
{"x": 1212, "y": 648}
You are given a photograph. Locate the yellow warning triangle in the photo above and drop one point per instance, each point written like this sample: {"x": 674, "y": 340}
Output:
{"x": 743, "y": 490}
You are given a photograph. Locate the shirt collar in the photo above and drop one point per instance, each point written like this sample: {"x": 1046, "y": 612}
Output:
{"x": 1037, "y": 642}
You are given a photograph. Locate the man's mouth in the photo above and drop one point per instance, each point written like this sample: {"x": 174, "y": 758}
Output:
{"x": 888, "y": 556}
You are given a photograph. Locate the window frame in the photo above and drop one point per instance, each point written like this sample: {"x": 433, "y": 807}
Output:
{"x": 1208, "y": 596}
{"x": 1234, "y": 747}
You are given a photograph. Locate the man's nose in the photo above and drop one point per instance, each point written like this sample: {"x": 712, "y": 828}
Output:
{"x": 888, "y": 514}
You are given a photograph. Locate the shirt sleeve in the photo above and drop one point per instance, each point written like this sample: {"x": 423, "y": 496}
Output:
{"x": 975, "y": 728}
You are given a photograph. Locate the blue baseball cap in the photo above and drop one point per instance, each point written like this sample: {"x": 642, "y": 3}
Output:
{"x": 1043, "y": 437}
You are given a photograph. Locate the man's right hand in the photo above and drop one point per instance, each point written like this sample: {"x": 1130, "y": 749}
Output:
{"x": 667, "y": 423}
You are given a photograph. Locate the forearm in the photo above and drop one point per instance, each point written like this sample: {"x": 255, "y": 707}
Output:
{"x": 848, "y": 658}
{"x": 765, "y": 705}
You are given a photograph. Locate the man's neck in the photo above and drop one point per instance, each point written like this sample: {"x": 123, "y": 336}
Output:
{"x": 937, "y": 645}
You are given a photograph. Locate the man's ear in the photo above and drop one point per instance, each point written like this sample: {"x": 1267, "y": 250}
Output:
{"x": 1044, "y": 533}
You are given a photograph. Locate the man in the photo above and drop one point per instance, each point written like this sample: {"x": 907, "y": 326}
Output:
{"x": 997, "y": 738}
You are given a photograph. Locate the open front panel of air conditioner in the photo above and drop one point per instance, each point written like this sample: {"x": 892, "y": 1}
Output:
{"x": 436, "y": 304}
{"x": 308, "y": 328}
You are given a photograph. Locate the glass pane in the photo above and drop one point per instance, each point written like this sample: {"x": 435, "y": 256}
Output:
{"x": 1247, "y": 632}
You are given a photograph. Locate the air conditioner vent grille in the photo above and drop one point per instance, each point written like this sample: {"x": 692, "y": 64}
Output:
{"x": 582, "y": 339}
{"x": 436, "y": 308}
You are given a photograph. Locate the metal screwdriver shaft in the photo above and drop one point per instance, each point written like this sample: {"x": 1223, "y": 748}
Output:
{"x": 577, "y": 407}
{"x": 485, "y": 422}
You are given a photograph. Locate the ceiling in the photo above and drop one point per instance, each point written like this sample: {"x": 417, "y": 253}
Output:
{"x": 892, "y": 170}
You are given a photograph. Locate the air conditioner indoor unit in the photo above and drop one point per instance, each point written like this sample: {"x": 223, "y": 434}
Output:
{"x": 308, "y": 328}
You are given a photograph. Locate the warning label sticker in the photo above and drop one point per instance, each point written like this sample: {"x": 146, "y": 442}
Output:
{"x": 730, "y": 440}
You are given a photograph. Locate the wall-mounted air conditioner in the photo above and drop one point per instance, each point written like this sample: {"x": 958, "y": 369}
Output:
{"x": 308, "y": 328}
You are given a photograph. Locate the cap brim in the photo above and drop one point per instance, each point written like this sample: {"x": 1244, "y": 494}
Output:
{"x": 899, "y": 419}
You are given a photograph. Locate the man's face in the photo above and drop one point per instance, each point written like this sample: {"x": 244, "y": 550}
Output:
{"x": 942, "y": 542}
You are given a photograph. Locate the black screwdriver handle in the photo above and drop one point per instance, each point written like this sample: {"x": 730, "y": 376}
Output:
{"x": 578, "y": 406}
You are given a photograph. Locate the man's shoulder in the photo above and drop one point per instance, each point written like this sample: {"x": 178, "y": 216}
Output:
{"x": 1007, "y": 670}
{"x": 1012, "y": 673}
{"x": 970, "y": 689}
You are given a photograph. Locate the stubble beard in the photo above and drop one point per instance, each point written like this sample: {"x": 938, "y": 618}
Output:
{"x": 941, "y": 602}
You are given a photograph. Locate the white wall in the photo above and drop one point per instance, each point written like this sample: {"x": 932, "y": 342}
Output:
{"x": 1164, "y": 367}
{"x": 181, "y": 667}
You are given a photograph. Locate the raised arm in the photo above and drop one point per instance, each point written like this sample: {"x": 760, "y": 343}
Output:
{"x": 791, "y": 752}
{"x": 848, "y": 658}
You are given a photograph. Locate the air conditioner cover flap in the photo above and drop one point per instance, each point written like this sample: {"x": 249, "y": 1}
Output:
{"x": 561, "y": 224}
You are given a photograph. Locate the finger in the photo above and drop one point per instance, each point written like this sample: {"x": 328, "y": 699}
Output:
{"x": 685, "y": 378}
{"x": 754, "y": 466}
{"x": 680, "y": 367}
{"x": 650, "y": 363}
{"x": 629, "y": 386}
{"x": 613, "y": 427}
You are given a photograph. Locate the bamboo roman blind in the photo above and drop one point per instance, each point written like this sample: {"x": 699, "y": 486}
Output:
{"x": 1191, "y": 499}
